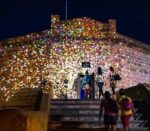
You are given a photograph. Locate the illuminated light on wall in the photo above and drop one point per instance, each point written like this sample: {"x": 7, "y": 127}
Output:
{"x": 57, "y": 54}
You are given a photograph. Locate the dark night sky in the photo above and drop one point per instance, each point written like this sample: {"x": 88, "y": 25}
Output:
{"x": 19, "y": 17}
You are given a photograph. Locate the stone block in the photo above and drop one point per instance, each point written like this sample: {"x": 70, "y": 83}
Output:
{"x": 15, "y": 120}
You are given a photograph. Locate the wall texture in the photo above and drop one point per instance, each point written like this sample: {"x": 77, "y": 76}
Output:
{"x": 13, "y": 120}
{"x": 57, "y": 54}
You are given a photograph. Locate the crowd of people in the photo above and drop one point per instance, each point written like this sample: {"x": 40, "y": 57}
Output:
{"x": 111, "y": 104}
{"x": 111, "y": 108}
{"x": 87, "y": 82}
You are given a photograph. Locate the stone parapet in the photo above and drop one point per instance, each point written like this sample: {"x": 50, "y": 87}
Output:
{"x": 15, "y": 120}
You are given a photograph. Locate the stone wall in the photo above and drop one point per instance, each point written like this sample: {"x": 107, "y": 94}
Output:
{"x": 135, "y": 65}
{"x": 14, "y": 120}
{"x": 57, "y": 54}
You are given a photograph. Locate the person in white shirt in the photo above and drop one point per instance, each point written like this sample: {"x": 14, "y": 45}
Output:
{"x": 100, "y": 82}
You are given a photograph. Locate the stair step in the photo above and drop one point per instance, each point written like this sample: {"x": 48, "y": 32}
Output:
{"x": 75, "y": 106}
{"x": 84, "y": 114}
{"x": 81, "y": 126}
{"x": 92, "y": 119}
{"x": 74, "y": 101}
{"x": 74, "y": 112}
{"x": 93, "y": 123}
{"x": 81, "y": 112}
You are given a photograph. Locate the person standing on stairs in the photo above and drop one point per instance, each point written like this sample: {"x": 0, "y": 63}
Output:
{"x": 77, "y": 84}
{"x": 87, "y": 91}
{"x": 66, "y": 87}
{"x": 100, "y": 81}
{"x": 85, "y": 80}
{"x": 127, "y": 109}
{"x": 112, "y": 80}
{"x": 111, "y": 109}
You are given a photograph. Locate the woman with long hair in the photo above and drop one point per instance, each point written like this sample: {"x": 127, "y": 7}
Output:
{"x": 100, "y": 81}
{"x": 111, "y": 108}
{"x": 112, "y": 80}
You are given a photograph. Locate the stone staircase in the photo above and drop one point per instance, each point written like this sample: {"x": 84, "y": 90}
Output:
{"x": 143, "y": 109}
{"x": 74, "y": 114}
{"x": 24, "y": 99}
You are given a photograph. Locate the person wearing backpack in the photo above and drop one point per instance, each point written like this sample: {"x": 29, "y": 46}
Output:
{"x": 127, "y": 109}
{"x": 110, "y": 112}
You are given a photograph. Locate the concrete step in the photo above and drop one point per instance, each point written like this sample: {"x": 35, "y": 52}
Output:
{"x": 81, "y": 106}
{"x": 70, "y": 104}
{"x": 81, "y": 112}
{"x": 84, "y": 126}
{"x": 75, "y": 101}
{"x": 93, "y": 121}
{"x": 72, "y": 113}
{"x": 91, "y": 118}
